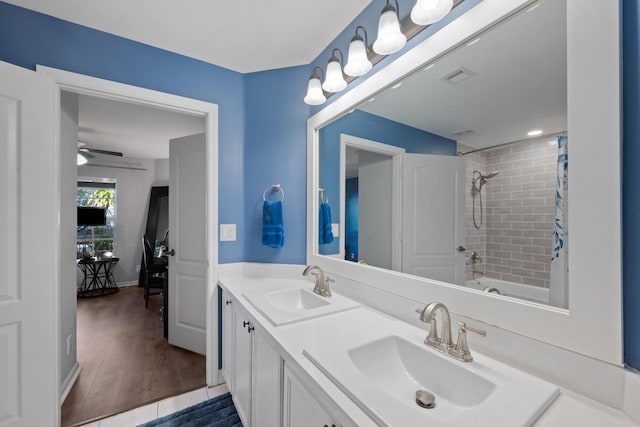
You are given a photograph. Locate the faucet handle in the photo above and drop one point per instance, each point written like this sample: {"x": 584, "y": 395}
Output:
{"x": 461, "y": 350}
{"x": 433, "y": 337}
{"x": 469, "y": 328}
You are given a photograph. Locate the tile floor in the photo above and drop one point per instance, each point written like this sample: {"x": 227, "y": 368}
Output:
{"x": 159, "y": 409}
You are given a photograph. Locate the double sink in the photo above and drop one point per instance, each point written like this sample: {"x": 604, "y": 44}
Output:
{"x": 381, "y": 363}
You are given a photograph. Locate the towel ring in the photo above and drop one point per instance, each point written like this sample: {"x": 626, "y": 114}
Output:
{"x": 275, "y": 187}
{"x": 323, "y": 195}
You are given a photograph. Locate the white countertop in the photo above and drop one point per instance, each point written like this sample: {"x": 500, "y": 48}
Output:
{"x": 290, "y": 340}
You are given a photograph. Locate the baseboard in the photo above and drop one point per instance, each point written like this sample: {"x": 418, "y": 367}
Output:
{"x": 127, "y": 284}
{"x": 69, "y": 382}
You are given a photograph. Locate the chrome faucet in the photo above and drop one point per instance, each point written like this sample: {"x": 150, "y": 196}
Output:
{"x": 444, "y": 344}
{"x": 428, "y": 315}
{"x": 322, "y": 283}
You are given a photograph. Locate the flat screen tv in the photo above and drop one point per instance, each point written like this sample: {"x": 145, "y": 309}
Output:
{"x": 92, "y": 216}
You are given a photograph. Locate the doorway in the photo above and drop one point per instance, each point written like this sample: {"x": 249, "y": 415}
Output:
{"x": 82, "y": 85}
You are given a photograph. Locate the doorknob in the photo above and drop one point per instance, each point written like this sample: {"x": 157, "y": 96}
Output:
{"x": 460, "y": 249}
{"x": 172, "y": 252}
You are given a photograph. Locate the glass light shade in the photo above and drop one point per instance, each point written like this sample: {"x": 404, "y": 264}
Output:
{"x": 314, "y": 92}
{"x": 334, "y": 82}
{"x": 426, "y": 12}
{"x": 358, "y": 63}
{"x": 81, "y": 160}
{"x": 390, "y": 38}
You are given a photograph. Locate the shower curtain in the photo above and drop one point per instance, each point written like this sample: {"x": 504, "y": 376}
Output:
{"x": 558, "y": 295}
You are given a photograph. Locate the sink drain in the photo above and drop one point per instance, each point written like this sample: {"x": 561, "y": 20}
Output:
{"x": 424, "y": 399}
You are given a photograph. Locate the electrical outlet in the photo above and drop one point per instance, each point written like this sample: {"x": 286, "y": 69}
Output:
{"x": 69, "y": 344}
{"x": 138, "y": 268}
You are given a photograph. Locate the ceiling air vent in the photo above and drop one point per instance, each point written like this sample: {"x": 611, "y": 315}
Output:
{"x": 458, "y": 75}
{"x": 461, "y": 133}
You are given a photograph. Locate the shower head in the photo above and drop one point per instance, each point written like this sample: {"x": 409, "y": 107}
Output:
{"x": 479, "y": 179}
{"x": 491, "y": 175}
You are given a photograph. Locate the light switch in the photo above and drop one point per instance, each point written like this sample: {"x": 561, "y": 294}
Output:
{"x": 227, "y": 232}
{"x": 335, "y": 229}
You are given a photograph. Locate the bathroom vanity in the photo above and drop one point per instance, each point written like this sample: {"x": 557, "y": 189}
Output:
{"x": 350, "y": 365}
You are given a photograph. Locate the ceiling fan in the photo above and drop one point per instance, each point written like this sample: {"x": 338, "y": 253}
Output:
{"x": 85, "y": 153}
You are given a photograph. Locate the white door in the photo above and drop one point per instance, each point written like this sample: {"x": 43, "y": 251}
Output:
{"x": 375, "y": 210}
{"x": 433, "y": 217}
{"x": 187, "y": 238}
{"x": 29, "y": 246}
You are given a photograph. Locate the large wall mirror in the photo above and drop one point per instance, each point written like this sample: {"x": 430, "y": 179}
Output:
{"x": 438, "y": 176}
{"x": 459, "y": 172}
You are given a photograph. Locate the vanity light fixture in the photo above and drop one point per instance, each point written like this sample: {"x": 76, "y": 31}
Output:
{"x": 335, "y": 81}
{"x": 390, "y": 37}
{"x": 358, "y": 63}
{"x": 315, "y": 96}
{"x": 426, "y": 12}
{"x": 81, "y": 160}
{"x": 535, "y": 132}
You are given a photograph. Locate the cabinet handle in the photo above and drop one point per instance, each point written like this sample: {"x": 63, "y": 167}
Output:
{"x": 228, "y": 301}
{"x": 250, "y": 328}
{"x": 245, "y": 324}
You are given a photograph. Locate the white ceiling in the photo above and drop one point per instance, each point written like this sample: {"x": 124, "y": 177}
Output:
{"x": 134, "y": 130}
{"x": 241, "y": 35}
{"x": 519, "y": 85}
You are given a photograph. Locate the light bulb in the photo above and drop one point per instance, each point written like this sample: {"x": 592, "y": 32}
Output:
{"x": 358, "y": 63}
{"x": 334, "y": 82}
{"x": 426, "y": 12}
{"x": 390, "y": 38}
{"x": 314, "y": 92}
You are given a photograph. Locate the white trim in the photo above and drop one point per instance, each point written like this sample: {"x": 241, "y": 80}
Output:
{"x": 396, "y": 155}
{"x": 69, "y": 382}
{"x": 92, "y": 86}
{"x": 593, "y": 325}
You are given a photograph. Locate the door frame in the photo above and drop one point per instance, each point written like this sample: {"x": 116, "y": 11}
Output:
{"x": 397, "y": 157}
{"x": 93, "y": 86}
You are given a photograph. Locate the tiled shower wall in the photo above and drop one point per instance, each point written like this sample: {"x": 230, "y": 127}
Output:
{"x": 519, "y": 215}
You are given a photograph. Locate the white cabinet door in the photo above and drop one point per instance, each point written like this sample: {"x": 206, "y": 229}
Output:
{"x": 242, "y": 365}
{"x": 227, "y": 339}
{"x": 300, "y": 407}
{"x": 266, "y": 381}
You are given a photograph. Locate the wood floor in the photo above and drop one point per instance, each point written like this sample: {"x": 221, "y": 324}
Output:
{"x": 125, "y": 360}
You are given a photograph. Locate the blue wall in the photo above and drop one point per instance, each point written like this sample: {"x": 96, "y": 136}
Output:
{"x": 631, "y": 182}
{"x": 376, "y": 128}
{"x": 276, "y": 153}
{"x": 28, "y": 38}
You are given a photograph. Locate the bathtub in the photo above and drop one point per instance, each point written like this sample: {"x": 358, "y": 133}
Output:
{"x": 517, "y": 290}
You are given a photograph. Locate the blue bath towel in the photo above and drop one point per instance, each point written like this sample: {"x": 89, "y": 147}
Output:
{"x": 272, "y": 226}
{"x": 326, "y": 234}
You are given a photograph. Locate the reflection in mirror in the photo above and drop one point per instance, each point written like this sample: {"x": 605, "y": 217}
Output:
{"x": 459, "y": 172}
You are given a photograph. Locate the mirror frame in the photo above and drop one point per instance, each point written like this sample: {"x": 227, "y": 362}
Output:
{"x": 593, "y": 323}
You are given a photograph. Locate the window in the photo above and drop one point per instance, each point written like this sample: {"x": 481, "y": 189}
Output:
{"x": 96, "y": 240}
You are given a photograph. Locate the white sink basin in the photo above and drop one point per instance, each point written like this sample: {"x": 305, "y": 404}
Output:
{"x": 284, "y": 306}
{"x": 408, "y": 367}
{"x": 295, "y": 300}
{"x": 380, "y": 364}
